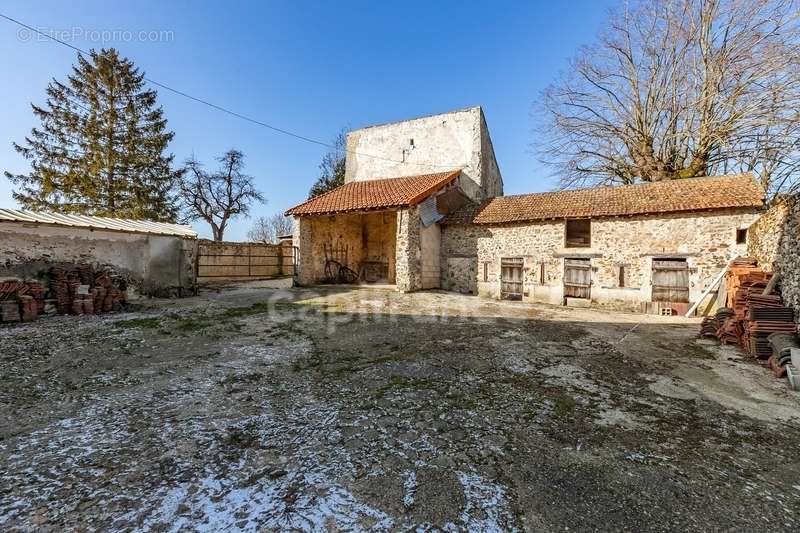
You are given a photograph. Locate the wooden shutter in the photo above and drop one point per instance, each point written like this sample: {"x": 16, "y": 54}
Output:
{"x": 670, "y": 280}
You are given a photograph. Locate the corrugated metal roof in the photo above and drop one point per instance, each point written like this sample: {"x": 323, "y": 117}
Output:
{"x": 106, "y": 223}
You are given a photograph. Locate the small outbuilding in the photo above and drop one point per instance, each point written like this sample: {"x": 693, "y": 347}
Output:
{"x": 156, "y": 258}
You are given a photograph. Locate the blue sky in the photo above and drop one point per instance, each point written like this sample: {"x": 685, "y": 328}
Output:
{"x": 310, "y": 67}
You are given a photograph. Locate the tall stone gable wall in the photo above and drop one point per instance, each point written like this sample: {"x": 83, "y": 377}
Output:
{"x": 448, "y": 141}
{"x": 471, "y": 254}
{"x": 774, "y": 240}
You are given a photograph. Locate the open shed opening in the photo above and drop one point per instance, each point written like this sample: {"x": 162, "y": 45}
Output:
{"x": 354, "y": 247}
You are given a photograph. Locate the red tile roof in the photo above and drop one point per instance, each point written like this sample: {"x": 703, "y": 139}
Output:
{"x": 693, "y": 194}
{"x": 375, "y": 194}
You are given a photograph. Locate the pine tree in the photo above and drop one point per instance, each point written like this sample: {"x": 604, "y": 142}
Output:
{"x": 101, "y": 147}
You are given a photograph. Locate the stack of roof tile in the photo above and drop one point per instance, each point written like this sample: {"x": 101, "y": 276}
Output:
{"x": 759, "y": 323}
{"x": 72, "y": 289}
{"x": 782, "y": 345}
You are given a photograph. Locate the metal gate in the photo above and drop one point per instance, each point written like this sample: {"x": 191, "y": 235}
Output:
{"x": 577, "y": 278}
{"x": 670, "y": 280}
{"x": 511, "y": 278}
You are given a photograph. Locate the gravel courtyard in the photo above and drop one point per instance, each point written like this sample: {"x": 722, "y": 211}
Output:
{"x": 263, "y": 409}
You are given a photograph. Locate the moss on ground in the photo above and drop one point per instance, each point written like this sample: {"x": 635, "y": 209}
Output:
{"x": 140, "y": 323}
{"x": 563, "y": 405}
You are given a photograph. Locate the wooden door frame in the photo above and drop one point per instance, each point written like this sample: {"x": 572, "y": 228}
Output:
{"x": 513, "y": 262}
{"x": 653, "y": 270}
{"x": 564, "y": 283}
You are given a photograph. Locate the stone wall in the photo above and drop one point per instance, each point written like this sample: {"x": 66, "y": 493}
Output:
{"x": 706, "y": 240}
{"x": 764, "y": 237}
{"x": 409, "y": 250}
{"x": 774, "y": 240}
{"x": 154, "y": 264}
{"x": 363, "y": 236}
{"x": 459, "y": 257}
{"x": 448, "y": 141}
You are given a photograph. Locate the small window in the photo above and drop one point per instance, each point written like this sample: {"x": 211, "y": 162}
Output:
{"x": 485, "y": 271}
{"x": 741, "y": 236}
{"x": 578, "y": 233}
{"x": 621, "y": 275}
{"x": 541, "y": 273}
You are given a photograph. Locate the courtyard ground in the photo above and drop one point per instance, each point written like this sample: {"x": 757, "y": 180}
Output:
{"x": 258, "y": 408}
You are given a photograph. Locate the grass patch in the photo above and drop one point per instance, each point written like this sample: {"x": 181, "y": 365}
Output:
{"x": 141, "y": 323}
{"x": 404, "y": 383}
{"x": 564, "y": 405}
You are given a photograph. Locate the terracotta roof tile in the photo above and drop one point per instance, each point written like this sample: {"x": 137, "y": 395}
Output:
{"x": 694, "y": 194}
{"x": 375, "y": 194}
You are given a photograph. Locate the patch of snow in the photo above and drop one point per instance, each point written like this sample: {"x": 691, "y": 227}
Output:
{"x": 486, "y": 507}
{"x": 410, "y": 486}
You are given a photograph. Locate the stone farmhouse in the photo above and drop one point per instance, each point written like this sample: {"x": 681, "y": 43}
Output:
{"x": 422, "y": 207}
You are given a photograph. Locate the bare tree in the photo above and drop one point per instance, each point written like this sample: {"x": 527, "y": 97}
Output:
{"x": 269, "y": 229}
{"x": 220, "y": 196}
{"x": 331, "y": 169}
{"x": 680, "y": 88}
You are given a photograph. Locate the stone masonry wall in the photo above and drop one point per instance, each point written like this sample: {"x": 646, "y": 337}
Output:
{"x": 707, "y": 240}
{"x": 765, "y": 235}
{"x": 774, "y": 240}
{"x": 408, "y": 251}
{"x": 459, "y": 260}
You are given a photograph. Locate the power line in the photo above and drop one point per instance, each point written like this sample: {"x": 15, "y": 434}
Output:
{"x": 226, "y": 110}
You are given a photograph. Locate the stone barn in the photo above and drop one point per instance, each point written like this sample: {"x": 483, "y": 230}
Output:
{"x": 382, "y": 225}
{"x": 624, "y": 247}
{"x": 423, "y": 207}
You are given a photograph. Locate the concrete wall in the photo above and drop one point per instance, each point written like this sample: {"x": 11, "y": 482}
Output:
{"x": 153, "y": 264}
{"x": 441, "y": 142}
{"x": 365, "y": 236}
{"x": 775, "y": 241}
{"x": 707, "y": 240}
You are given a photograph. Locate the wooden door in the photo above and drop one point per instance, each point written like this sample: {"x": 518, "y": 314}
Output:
{"x": 577, "y": 278}
{"x": 511, "y": 278}
{"x": 670, "y": 280}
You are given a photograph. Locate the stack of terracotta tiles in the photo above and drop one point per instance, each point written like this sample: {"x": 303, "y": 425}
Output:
{"x": 21, "y": 301}
{"x": 758, "y": 322}
{"x": 73, "y": 290}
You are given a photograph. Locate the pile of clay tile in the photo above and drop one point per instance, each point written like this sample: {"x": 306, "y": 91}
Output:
{"x": 758, "y": 322}
{"x": 73, "y": 289}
